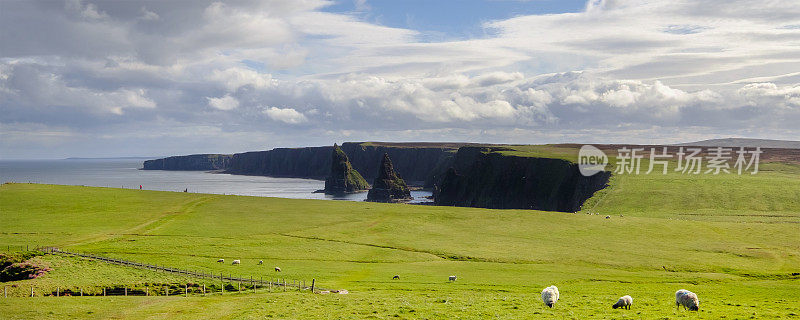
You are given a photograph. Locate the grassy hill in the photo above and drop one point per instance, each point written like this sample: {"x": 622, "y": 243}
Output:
{"x": 733, "y": 240}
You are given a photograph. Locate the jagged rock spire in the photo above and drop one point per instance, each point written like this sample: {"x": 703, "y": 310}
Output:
{"x": 343, "y": 178}
{"x": 388, "y": 187}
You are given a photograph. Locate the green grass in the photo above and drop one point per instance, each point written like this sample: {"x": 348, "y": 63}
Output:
{"x": 735, "y": 243}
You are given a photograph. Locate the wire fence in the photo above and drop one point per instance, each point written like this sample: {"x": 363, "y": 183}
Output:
{"x": 227, "y": 283}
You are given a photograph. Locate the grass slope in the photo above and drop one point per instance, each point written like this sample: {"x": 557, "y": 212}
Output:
{"x": 740, "y": 265}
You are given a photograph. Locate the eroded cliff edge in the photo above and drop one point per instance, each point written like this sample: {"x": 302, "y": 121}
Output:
{"x": 191, "y": 162}
{"x": 417, "y": 163}
{"x": 486, "y": 178}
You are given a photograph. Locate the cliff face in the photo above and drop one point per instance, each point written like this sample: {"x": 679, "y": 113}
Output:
{"x": 486, "y": 179}
{"x": 312, "y": 163}
{"x": 190, "y": 162}
{"x": 388, "y": 187}
{"x": 343, "y": 178}
{"x": 418, "y": 164}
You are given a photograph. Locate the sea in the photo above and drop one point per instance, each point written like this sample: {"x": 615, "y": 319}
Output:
{"x": 126, "y": 173}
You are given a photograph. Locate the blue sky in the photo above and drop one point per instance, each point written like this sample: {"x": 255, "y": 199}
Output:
{"x": 447, "y": 20}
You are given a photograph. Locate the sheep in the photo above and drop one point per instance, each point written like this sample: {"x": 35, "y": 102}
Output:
{"x": 624, "y": 302}
{"x": 608, "y": 217}
{"x": 237, "y": 261}
{"x": 452, "y": 278}
{"x": 396, "y": 277}
{"x": 687, "y": 299}
{"x": 221, "y": 260}
{"x": 550, "y": 296}
{"x": 260, "y": 262}
{"x": 277, "y": 269}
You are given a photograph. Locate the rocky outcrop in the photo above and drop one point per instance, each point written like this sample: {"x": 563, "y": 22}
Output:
{"x": 311, "y": 163}
{"x": 417, "y": 163}
{"x": 190, "y": 162}
{"x": 388, "y": 187}
{"x": 343, "y": 178}
{"x": 483, "y": 177}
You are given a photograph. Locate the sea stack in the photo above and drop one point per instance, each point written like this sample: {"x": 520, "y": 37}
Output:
{"x": 388, "y": 187}
{"x": 343, "y": 177}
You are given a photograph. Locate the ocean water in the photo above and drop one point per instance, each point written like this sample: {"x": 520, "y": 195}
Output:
{"x": 126, "y": 173}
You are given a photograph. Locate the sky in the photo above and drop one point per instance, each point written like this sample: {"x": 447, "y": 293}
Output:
{"x": 156, "y": 78}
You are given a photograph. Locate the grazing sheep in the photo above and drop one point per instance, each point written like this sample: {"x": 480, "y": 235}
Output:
{"x": 550, "y": 296}
{"x": 687, "y": 299}
{"x": 236, "y": 261}
{"x": 221, "y": 260}
{"x": 396, "y": 277}
{"x": 260, "y": 262}
{"x": 277, "y": 269}
{"x": 452, "y": 278}
{"x": 624, "y": 302}
{"x": 608, "y": 217}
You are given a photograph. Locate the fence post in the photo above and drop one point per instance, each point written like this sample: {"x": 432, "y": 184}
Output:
{"x": 5, "y": 292}
{"x": 126, "y": 291}
{"x": 31, "y": 291}
{"x": 146, "y": 291}
{"x": 204, "y": 289}
{"x": 187, "y": 290}
{"x": 284, "y": 284}
{"x": 58, "y": 291}
{"x": 104, "y": 291}
{"x": 240, "y": 287}
{"x": 81, "y": 292}
{"x": 312, "y": 285}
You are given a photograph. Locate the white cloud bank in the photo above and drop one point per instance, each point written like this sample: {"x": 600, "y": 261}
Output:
{"x": 628, "y": 70}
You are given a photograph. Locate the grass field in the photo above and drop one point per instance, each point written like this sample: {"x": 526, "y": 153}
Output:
{"x": 733, "y": 240}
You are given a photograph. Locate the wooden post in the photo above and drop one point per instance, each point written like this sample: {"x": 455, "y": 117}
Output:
{"x": 312, "y": 285}
{"x": 58, "y": 291}
{"x": 167, "y": 291}
{"x": 240, "y": 287}
{"x": 81, "y": 292}
{"x": 204, "y": 289}
{"x": 5, "y": 292}
{"x": 146, "y": 291}
{"x": 187, "y": 290}
{"x": 104, "y": 291}
{"x": 126, "y": 291}
{"x": 31, "y": 291}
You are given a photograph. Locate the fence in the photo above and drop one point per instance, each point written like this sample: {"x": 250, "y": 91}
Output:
{"x": 249, "y": 283}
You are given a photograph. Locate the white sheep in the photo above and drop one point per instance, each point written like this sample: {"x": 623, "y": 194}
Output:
{"x": 260, "y": 262}
{"x": 221, "y": 260}
{"x": 687, "y": 299}
{"x": 550, "y": 296}
{"x": 237, "y": 261}
{"x": 277, "y": 269}
{"x": 624, "y": 302}
{"x": 452, "y": 278}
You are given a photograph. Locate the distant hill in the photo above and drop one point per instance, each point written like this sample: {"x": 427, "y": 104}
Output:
{"x": 744, "y": 142}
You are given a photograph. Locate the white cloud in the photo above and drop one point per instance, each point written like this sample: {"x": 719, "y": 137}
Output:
{"x": 224, "y": 103}
{"x": 287, "y": 115}
{"x": 619, "y": 66}
{"x": 148, "y": 15}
